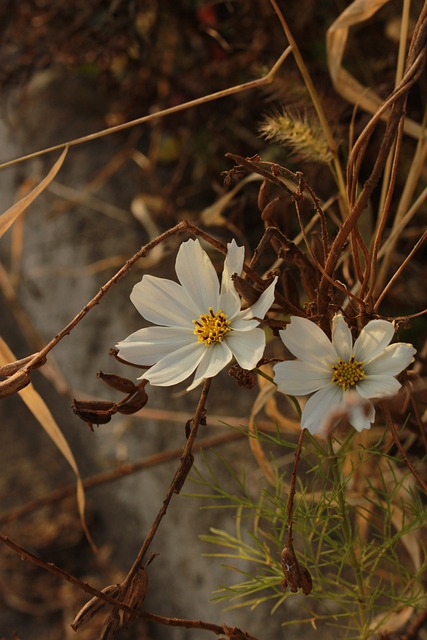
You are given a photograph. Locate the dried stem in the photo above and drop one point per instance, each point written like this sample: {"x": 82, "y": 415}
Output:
{"x": 394, "y": 106}
{"x": 292, "y": 488}
{"x": 180, "y": 475}
{"x": 385, "y": 210}
{"x": 253, "y": 84}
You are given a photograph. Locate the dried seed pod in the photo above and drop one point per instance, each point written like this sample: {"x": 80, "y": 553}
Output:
{"x": 14, "y": 383}
{"x": 136, "y": 595}
{"x": 290, "y": 288}
{"x": 290, "y": 569}
{"x": 12, "y": 367}
{"x": 263, "y": 195}
{"x": 306, "y": 580}
{"x": 91, "y": 418}
{"x": 296, "y": 576}
{"x": 244, "y": 378}
{"x": 94, "y": 412}
{"x": 117, "y": 382}
{"x": 133, "y": 404}
{"x": 317, "y": 247}
{"x": 111, "y": 625}
{"x": 245, "y": 290}
{"x": 270, "y": 214}
{"x": 91, "y": 608}
{"x": 93, "y": 405}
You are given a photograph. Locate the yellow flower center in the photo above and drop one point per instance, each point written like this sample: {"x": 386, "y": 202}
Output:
{"x": 346, "y": 374}
{"x": 211, "y": 327}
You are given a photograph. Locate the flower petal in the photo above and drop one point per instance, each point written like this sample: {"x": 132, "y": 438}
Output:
{"x": 361, "y": 412}
{"x": 233, "y": 264}
{"x": 242, "y": 321}
{"x": 300, "y": 378}
{"x": 373, "y": 338}
{"x": 197, "y": 275}
{"x": 308, "y": 342}
{"x": 377, "y": 386}
{"x": 341, "y": 337}
{"x": 264, "y": 302}
{"x": 315, "y": 413}
{"x": 215, "y": 359}
{"x": 394, "y": 359}
{"x": 163, "y": 302}
{"x": 176, "y": 366}
{"x": 229, "y": 304}
{"x": 247, "y": 348}
{"x": 148, "y": 346}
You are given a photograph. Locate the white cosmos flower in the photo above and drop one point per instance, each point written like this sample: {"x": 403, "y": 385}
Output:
{"x": 201, "y": 324}
{"x": 331, "y": 370}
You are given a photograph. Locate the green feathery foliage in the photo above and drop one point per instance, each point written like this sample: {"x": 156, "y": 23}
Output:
{"x": 358, "y": 535}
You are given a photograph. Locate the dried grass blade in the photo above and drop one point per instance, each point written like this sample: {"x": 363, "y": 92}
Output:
{"x": 41, "y": 412}
{"x": 344, "y": 83}
{"x": 8, "y": 217}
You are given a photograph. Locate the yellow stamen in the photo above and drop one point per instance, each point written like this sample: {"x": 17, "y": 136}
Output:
{"x": 211, "y": 327}
{"x": 346, "y": 374}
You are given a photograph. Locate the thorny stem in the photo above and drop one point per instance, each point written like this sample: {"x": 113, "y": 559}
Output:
{"x": 346, "y": 527}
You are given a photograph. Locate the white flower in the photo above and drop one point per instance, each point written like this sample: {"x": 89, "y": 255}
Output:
{"x": 332, "y": 370}
{"x": 202, "y": 325}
